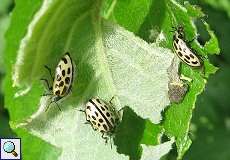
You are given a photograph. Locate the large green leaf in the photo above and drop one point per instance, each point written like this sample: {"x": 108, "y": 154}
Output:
{"x": 13, "y": 38}
{"x": 110, "y": 61}
{"x": 155, "y": 26}
{"x": 4, "y": 22}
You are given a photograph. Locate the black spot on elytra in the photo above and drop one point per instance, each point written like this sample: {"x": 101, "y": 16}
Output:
{"x": 179, "y": 53}
{"x": 68, "y": 70}
{"x": 180, "y": 48}
{"x": 98, "y": 124}
{"x": 100, "y": 120}
{"x": 186, "y": 60}
{"x": 175, "y": 46}
{"x": 89, "y": 116}
{"x": 106, "y": 107}
{"x": 192, "y": 56}
{"x": 177, "y": 40}
{"x": 64, "y": 60}
{"x": 187, "y": 57}
{"x": 94, "y": 122}
{"x": 64, "y": 90}
{"x": 194, "y": 62}
{"x": 89, "y": 108}
{"x": 61, "y": 84}
{"x": 98, "y": 100}
{"x": 107, "y": 114}
{"x": 94, "y": 117}
{"x": 57, "y": 92}
{"x": 63, "y": 73}
{"x": 103, "y": 108}
{"x": 58, "y": 78}
{"x": 67, "y": 80}
{"x": 105, "y": 127}
{"x": 96, "y": 113}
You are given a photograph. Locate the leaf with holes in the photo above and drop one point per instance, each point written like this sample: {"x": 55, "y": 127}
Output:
{"x": 109, "y": 61}
{"x": 154, "y": 24}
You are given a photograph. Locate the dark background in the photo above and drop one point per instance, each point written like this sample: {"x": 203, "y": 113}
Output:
{"x": 210, "y": 128}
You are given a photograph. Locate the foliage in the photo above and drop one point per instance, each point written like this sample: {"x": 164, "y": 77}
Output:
{"x": 110, "y": 60}
{"x": 210, "y": 124}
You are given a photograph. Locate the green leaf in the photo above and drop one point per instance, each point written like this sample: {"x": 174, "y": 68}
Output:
{"x": 193, "y": 10}
{"x": 210, "y": 124}
{"x": 211, "y": 121}
{"x": 4, "y": 7}
{"x": 220, "y": 5}
{"x": 4, "y": 22}
{"x": 155, "y": 26}
{"x": 110, "y": 61}
{"x": 215, "y": 19}
{"x": 128, "y": 14}
{"x": 156, "y": 152}
{"x": 32, "y": 146}
{"x": 210, "y": 46}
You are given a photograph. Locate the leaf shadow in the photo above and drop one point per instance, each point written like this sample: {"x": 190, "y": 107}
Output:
{"x": 157, "y": 9}
{"x": 83, "y": 88}
{"x": 129, "y": 134}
